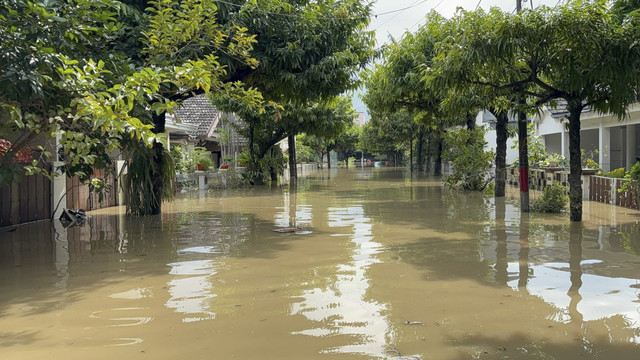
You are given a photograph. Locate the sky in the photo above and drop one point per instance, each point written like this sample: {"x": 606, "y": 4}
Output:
{"x": 395, "y": 24}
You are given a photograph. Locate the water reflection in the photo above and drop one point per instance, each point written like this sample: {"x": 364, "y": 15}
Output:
{"x": 343, "y": 308}
{"x": 565, "y": 266}
{"x": 384, "y": 251}
{"x": 192, "y": 290}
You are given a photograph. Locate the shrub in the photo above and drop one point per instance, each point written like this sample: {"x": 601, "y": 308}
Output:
{"x": 553, "y": 200}
{"x": 471, "y": 163}
{"x": 633, "y": 181}
{"x": 617, "y": 173}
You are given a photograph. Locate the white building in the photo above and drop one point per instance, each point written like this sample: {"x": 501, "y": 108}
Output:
{"x": 616, "y": 141}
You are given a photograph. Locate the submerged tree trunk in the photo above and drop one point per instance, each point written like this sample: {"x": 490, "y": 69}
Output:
{"x": 501, "y": 152}
{"x": 273, "y": 172}
{"x": 293, "y": 163}
{"x": 157, "y": 180}
{"x": 523, "y": 159}
{"x": 575, "y": 163}
{"x": 439, "y": 147}
{"x": 420, "y": 150}
{"x": 411, "y": 154}
{"x": 328, "y": 158}
{"x": 428, "y": 146}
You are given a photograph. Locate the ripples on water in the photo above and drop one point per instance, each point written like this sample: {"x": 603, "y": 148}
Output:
{"x": 386, "y": 267}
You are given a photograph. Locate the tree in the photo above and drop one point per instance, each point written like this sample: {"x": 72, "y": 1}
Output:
{"x": 47, "y": 92}
{"x": 309, "y": 51}
{"x": 347, "y": 143}
{"x": 388, "y": 134}
{"x": 399, "y": 83}
{"x": 469, "y": 81}
{"x": 584, "y": 56}
{"x": 580, "y": 53}
{"x": 104, "y": 74}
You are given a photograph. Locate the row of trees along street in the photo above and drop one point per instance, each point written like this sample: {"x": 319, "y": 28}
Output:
{"x": 582, "y": 53}
{"x": 101, "y": 76}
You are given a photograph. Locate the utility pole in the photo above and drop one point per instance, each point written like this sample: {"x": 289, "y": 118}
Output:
{"x": 523, "y": 159}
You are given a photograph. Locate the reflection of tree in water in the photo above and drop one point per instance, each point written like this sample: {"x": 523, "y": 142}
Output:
{"x": 627, "y": 237}
{"x": 223, "y": 232}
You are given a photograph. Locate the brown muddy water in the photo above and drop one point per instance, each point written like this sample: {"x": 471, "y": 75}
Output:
{"x": 384, "y": 267}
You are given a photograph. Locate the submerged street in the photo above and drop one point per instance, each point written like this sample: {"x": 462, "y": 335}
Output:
{"x": 381, "y": 265}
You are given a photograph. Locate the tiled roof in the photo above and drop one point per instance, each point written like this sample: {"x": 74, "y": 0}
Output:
{"x": 199, "y": 111}
{"x": 560, "y": 110}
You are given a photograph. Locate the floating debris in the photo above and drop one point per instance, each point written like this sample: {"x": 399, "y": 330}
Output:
{"x": 413, "y": 322}
{"x": 70, "y": 217}
{"x": 287, "y": 230}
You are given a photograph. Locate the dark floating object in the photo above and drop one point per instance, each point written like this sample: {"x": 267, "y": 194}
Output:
{"x": 70, "y": 217}
{"x": 413, "y": 322}
{"x": 287, "y": 230}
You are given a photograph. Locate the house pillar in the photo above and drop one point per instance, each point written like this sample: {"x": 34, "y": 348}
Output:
{"x": 631, "y": 146}
{"x": 604, "y": 148}
{"x": 564, "y": 143}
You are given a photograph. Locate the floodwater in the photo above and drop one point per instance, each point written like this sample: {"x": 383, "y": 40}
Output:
{"x": 383, "y": 266}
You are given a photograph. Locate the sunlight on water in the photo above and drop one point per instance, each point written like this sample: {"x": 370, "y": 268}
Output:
{"x": 343, "y": 308}
{"x": 191, "y": 295}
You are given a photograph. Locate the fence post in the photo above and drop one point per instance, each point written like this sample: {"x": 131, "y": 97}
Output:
{"x": 586, "y": 186}
{"x": 202, "y": 184}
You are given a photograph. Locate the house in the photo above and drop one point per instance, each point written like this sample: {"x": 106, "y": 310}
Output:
{"x": 200, "y": 123}
{"x": 613, "y": 143}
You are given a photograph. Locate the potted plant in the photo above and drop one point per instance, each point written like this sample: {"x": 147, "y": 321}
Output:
{"x": 202, "y": 158}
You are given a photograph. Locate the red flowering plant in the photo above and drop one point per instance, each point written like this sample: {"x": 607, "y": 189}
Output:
{"x": 23, "y": 156}
{"x": 11, "y": 161}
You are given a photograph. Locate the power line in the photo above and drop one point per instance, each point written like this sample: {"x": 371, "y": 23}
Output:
{"x": 418, "y": 22}
{"x": 399, "y": 12}
{"x": 327, "y": 17}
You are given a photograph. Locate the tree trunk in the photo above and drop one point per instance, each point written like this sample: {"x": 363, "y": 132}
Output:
{"x": 438, "y": 164}
{"x": 272, "y": 170}
{"x": 157, "y": 180}
{"x": 420, "y": 150}
{"x": 328, "y": 158}
{"x": 523, "y": 159}
{"x": 575, "y": 163}
{"x": 293, "y": 163}
{"x": 428, "y": 157}
{"x": 411, "y": 154}
{"x": 501, "y": 152}
{"x": 471, "y": 121}
{"x": 575, "y": 269}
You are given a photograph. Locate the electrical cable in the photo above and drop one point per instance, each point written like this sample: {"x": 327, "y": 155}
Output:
{"x": 329, "y": 17}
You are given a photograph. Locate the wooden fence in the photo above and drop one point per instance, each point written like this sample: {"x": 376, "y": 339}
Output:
{"x": 604, "y": 189}
{"x": 27, "y": 199}
{"x": 79, "y": 196}
{"x": 30, "y": 198}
